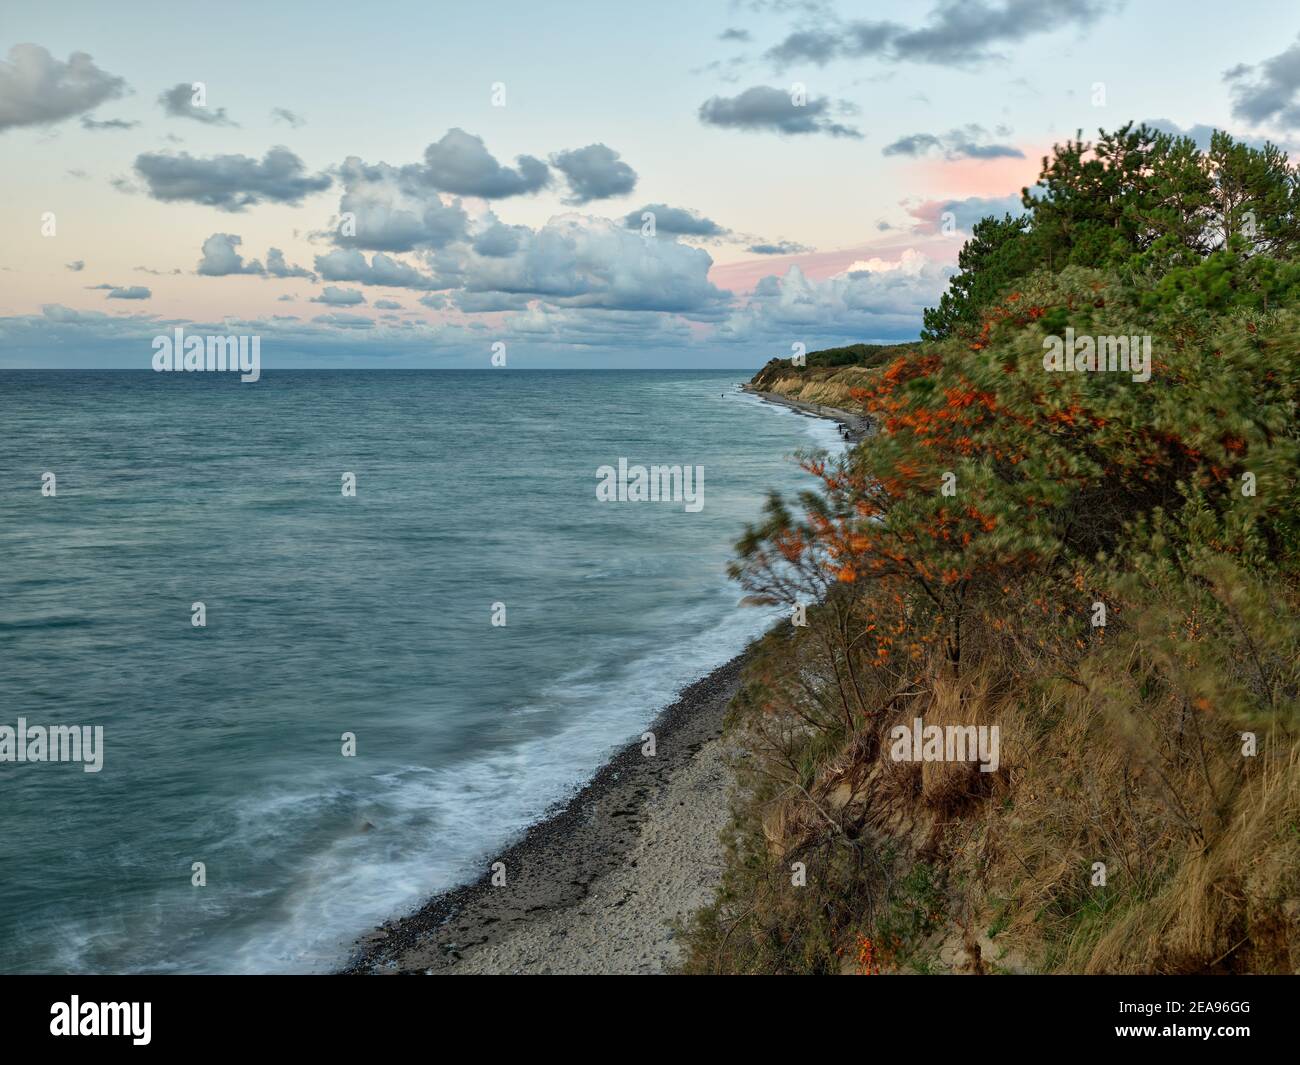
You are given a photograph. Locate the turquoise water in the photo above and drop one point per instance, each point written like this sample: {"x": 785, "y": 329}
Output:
{"x": 328, "y": 614}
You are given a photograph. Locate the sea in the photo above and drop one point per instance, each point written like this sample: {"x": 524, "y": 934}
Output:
{"x": 421, "y": 630}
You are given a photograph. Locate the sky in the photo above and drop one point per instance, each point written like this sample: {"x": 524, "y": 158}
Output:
{"x": 410, "y": 184}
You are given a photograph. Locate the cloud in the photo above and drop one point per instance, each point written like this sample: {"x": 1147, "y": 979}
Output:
{"x": 765, "y": 109}
{"x": 37, "y": 90}
{"x": 780, "y": 247}
{"x": 594, "y": 173}
{"x": 960, "y": 34}
{"x": 111, "y": 123}
{"x": 277, "y": 267}
{"x": 393, "y": 209}
{"x": 964, "y": 213}
{"x": 349, "y": 264}
{"x": 582, "y": 261}
{"x": 229, "y": 182}
{"x": 388, "y": 305}
{"x": 221, "y": 257}
{"x": 78, "y": 265}
{"x": 742, "y": 36}
{"x": 677, "y": 221}
{"x": 345, "y": 321}
{"x": 178, "y": 102}
{"x": 968, "y": 142}
{"x": 496, "y": 240}
{"x": 602, "y": 329}
{"x": 461, "y": 164}
{"x": 873, "y": 300}
{"x": 135, "y": 292}
{"x": 1268, "y": 92}
{"x": 292, "y": 118}
{"x": 339, "y": 297}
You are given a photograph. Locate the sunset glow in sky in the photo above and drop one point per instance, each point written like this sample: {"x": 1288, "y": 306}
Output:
{"x": 497, "y": 161}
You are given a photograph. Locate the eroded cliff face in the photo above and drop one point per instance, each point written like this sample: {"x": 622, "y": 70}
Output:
{"x": 822, "y": 381}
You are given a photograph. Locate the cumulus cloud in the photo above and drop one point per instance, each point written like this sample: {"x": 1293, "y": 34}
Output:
{"x": 339, "y": 297}
{"x": 594, "y": 173}
{"x": 497, "y": 240}
{"x": 581, "y": 261}
{"x": 178, "y": 102}
{"x": 37, "y": 90}
{"x": 135, "y": 292}
{"x": 277, "y": 267}
{"x": 77, "y": 265}
{"x": 394, "y": 210}
{"x": 229, "y": 182}
{"x": 221, "y": 257}
{"x": 969, "y": 142}
{"x": 349, "y": 264}
{"x": 766, "y": 109}
{"x": 872, "y": 300}
{"x": 1268, "y": 92}
{"x": 461, "y": 164}
{"x": 960, "y": 34}
{"x": 675, "y": 221}
{"x": 388, "y": 305}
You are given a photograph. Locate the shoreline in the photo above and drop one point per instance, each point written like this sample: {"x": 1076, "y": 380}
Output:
{"x": 596, "y": 885}
{"x": 591, "y": 888}
{"x": 855, "y": 426}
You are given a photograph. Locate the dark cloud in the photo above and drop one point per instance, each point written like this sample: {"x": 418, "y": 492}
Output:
{"x": 36, "y": 89}
{"x": 743, "y": 36}
{"x": 460, "y": 163}
{"x": 1268, "y": 92}
{"x": 763, "y": 108}
{"x": 955, "y": 33}
{"x": 676, "y": 221}
{"x": 229, "y": 182}
{"x": 178, "y": 102}
{"x": 966, "y": 143}
{"x": 594, "y": 173}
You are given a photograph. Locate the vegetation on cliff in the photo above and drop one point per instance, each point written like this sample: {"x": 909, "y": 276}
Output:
{"x": 1101, "y": 563}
